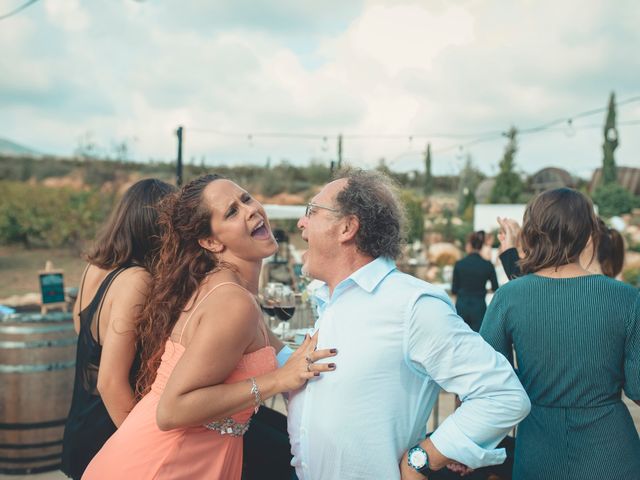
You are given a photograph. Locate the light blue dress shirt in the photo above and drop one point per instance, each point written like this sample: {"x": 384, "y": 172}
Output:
{"x": 399, "y": 340}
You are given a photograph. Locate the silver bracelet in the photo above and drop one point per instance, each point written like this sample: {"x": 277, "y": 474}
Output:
{"x": 256, "y": 394}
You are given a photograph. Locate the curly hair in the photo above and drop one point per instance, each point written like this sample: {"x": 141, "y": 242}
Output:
{"x": 556, "y": 227}
{"x": 132, "y": 234}
{"x": 180, "y": 267}
{"x": 372, "y": 197}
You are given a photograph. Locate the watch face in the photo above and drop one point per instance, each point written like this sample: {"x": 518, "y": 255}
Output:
{"x": 417, "y": 458}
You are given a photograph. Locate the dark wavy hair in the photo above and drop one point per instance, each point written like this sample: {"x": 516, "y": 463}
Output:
{"x": 132, "y": 234}
{"x": 610, "y": 250}
{"x": 476, "y": 239}
{"x": 556, "y": 227}
{"x": 180, "y": 267}
{"x": 371, "y": 197}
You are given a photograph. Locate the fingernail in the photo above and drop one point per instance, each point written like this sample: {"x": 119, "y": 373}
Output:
{"x": 316, "y": 374}
{"x": 334, "y": 350}
{"x": 332, "y": 366}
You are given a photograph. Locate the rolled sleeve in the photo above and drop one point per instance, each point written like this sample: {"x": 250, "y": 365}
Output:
{"x": 453, "y": 443}
{"x": 442, "y": 346}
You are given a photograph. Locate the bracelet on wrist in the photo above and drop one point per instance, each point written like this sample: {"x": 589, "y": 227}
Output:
{"x": 255, "y": 391}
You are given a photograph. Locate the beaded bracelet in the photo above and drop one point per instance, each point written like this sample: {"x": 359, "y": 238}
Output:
{"x": 256, "y": 394}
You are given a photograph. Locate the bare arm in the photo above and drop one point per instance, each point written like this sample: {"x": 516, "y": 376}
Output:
{"x": 195, "y": 393}
{"x": 274, "y": 341}
{"x": 119, "y": 346}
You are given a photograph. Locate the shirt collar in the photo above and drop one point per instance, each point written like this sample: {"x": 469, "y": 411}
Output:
{"x": 367, "y": 277}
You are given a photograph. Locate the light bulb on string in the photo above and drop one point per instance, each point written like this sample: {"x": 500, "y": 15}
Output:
{"x": 250, "y": 140}
{"x": 569, "y": 129}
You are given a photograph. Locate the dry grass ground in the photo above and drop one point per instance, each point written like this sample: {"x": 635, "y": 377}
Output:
{"x": 19, "y": 268}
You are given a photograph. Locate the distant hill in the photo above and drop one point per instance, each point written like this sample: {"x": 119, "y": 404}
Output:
{"x": 8, "y": 147}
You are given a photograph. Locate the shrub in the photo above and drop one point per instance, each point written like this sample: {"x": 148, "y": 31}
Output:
{"x": 613, "y": 199}
{"x": 632, "y": 276}
{"x": 34, "y": 215}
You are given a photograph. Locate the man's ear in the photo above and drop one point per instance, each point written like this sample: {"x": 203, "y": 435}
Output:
{"x": 211, "y": 244}
{"x": 349, "y": 228}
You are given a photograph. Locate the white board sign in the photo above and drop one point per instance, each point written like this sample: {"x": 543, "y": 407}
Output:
{"x": 484, "y": 215}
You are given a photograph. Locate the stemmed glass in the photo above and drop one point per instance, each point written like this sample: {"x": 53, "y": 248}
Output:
{"x": 269, "y": 298}
{"x": 285, "y": 307}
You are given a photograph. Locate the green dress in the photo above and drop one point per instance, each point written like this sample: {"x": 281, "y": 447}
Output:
{"x": 577, "y": 346}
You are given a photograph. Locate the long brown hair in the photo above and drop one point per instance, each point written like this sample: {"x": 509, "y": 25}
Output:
{"x": 132, "y": 234}
{"x": 180, "y": 267}
{"x": 556, "y": 227}
{"x": 610, "y": 250}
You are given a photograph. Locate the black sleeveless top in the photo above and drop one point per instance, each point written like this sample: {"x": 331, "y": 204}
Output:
{"x": 89, "y": 425}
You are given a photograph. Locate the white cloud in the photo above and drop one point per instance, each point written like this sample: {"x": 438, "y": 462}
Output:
{"x": 390, "y": 67}
{"x": 68, "y": 14}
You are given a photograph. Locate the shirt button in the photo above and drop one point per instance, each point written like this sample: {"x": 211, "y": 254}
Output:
{"x": 303, "y": 431}
{"x": 304, "y": 465}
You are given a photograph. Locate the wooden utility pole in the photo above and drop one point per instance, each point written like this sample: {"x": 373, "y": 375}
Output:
{"x": 179, "y": 161}
{"x": 339, "y": 151}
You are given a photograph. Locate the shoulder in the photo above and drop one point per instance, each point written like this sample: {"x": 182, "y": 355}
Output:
{"x": 133, "y": 278}
{"x": 417, "y": 291}
{"x": 513, "y": 289}
{"x": 617, "y": 290}
{"x": 229, "y": 297}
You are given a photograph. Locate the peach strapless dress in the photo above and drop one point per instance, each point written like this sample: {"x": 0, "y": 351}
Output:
{"x": 140, "y": 450}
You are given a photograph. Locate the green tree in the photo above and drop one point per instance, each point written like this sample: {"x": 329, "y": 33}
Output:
{"x": 428, "y": 178}
{"x": 609, "y": 173}
{"x": 415, "y": 215}
{"x": 467, "y": 183}
{"x": 508, "y": 186}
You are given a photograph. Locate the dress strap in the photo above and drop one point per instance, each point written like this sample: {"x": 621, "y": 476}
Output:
{"x": 202, "y": 300}
{"x": 104, "y": 288}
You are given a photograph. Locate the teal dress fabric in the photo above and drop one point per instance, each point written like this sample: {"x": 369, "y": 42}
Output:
{"x": 577, "y": 347}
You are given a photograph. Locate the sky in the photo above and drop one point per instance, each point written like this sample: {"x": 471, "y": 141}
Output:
{"x": 389, "y": 76}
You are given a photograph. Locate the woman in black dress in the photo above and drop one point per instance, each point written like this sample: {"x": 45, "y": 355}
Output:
{"x": 113, "y": 289}
{"x": 470, "y": 276}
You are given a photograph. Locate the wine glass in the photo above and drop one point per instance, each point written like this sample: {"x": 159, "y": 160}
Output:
{"x": 269, "y": 298}
{"x": 285, "y": 307}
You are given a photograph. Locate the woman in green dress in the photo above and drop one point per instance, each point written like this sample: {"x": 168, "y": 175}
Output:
{"x": 576, "y": 338}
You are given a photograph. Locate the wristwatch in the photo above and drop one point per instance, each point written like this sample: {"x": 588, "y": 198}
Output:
{"x": 419, "y": 460}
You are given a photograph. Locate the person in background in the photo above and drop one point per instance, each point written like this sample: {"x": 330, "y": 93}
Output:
{"x": 399, "y": 340}
{"x": 207, "y": 361}
{"x": 470, "y": 277}
{"x": 576, "y": 338}
{"x": 114, "y": 286}
{"x": 608, "y": 260}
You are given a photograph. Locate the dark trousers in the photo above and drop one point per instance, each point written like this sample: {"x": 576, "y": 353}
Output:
{"x": 267, "y": 451}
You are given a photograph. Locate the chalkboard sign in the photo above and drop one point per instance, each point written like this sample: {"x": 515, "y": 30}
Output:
{"x": 52, "y": 287}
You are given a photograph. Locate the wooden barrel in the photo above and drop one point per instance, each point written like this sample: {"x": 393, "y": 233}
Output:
{"x": 37, "y": 360}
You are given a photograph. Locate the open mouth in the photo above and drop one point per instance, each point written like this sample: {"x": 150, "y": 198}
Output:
{"x": 261, "y": 231}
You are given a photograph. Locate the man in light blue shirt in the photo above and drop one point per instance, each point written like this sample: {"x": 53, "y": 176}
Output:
{"x": 399, "y": 340}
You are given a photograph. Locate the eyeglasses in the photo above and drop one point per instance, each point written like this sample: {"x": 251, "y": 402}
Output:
{"x": 311, "y": 206}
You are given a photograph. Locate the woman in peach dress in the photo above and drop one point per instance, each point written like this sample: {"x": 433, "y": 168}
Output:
{"x": 207, "y": 362}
